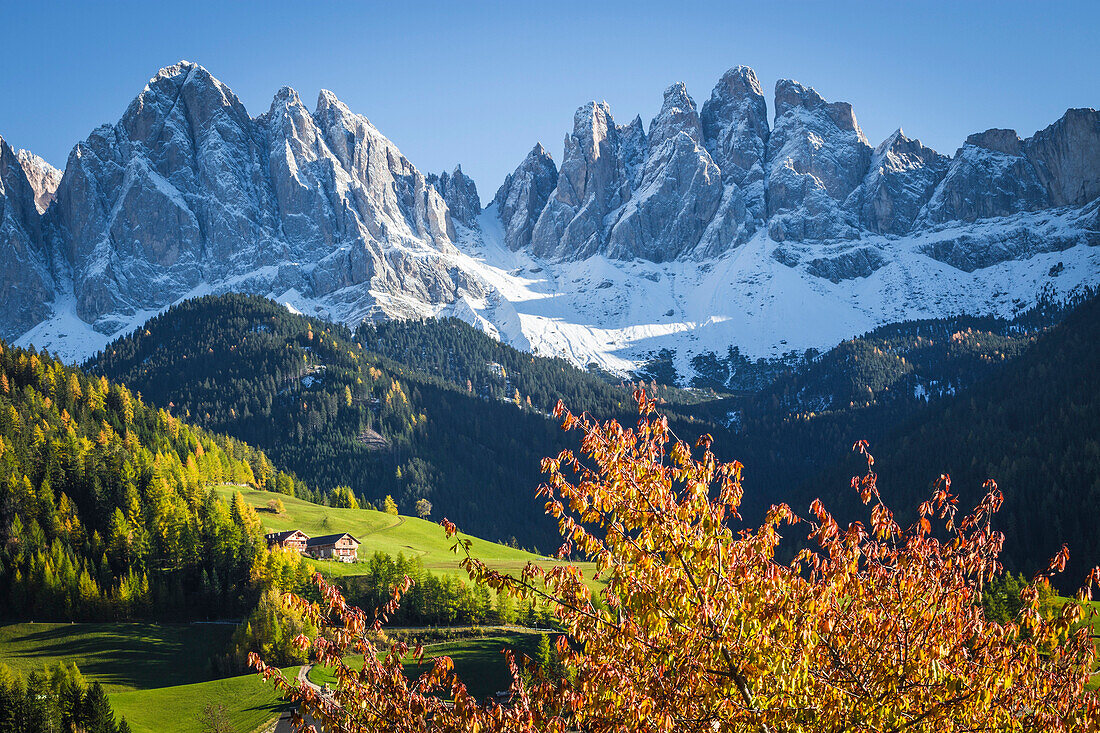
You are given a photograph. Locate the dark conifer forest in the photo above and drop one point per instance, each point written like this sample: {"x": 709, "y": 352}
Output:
{"x": 338, "y": 414}
{"x": 440, "y": 411}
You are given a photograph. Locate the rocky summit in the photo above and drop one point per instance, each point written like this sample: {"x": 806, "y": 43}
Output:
{"x": 700, "y": 184}
{"x": 711, "y": 226}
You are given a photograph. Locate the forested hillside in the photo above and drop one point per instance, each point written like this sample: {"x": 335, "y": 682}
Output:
{"x": 105, "y": 505}
{"x": 914, "y": 361}
{"x": 471, "y": 359}
{"x": 339, "y": 415}
{"x": 1014, "y": 401}
{"x": 1032, "y": 426}
{"x": 438, "y": 417}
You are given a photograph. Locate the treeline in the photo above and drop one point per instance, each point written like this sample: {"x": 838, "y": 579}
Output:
{"x": 54, "y": 700}
{"x": 924, "y": 361}
{"x": 471, "y": 359}
{"x": 919, "y": 359}
{"x": 337, "y": 414}
{"x": 1034, "y": 427}
{"x": 105, "y": 505}
{"x": 436, "y": 600}
{"x": 736, "y": 372}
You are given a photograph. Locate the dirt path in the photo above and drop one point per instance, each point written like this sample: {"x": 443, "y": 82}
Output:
{"x": 303, "y": 677}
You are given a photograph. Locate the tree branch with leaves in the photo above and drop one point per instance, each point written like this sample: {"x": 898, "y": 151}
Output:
{"x": 701, "y": 628}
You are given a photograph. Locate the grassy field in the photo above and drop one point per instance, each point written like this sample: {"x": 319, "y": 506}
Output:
{"x": 379, "y": 532}
{"x": 249, "y": 704}
{"x": 479, "y": 663}
{"x": 157, "y": 675}
{"x": 120, "y": 656}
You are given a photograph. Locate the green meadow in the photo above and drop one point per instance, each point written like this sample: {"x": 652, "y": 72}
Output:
{"x": 380, "y": 532}
{"x": 121, "y": 656}
{"x": 249, "y": 702}
{"x": 479, "y": 663}
{"x": 158, "y": 676}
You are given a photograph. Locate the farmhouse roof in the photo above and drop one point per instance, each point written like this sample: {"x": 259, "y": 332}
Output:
{"x": 280, "y": 536}
{"x": 329, "y": 539}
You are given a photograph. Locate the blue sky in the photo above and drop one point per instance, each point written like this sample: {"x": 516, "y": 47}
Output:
{"x": 480, "y": 83}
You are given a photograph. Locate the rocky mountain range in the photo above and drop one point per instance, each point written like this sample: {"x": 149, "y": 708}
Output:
{"x": 703, "y": 182}
{"x": 711, "y": 226}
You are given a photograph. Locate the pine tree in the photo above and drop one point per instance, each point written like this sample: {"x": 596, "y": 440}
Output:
{"x": 96, "y": 714}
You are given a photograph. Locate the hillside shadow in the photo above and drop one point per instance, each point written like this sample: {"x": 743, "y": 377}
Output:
{"x": 140, "y": 656}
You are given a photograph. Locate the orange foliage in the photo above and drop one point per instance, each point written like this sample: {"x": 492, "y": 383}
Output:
{"x": 870, "y": 628}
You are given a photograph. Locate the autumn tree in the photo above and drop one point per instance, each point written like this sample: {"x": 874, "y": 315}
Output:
{"x": 270, "y": 630}
{"x": 342, "y": 497}
{"x": 423, "y": 508}
{"x": 871, "y": 627}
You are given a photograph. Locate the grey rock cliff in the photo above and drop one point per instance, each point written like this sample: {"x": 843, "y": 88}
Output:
{"x": 187, "y": 189}
{"x": 678, "y": 192}
{"x": 460, "y": 195}
{"x": 817, "y": 156}
{"x": 901, "y": 180}
{"x": 735, "y": 129}
{"x": 593, "y": 182}
{"x": 1066, "y": 157}
{"x": 735, "y": 132}
{"x": 26, "y": 285}
{"x": 700, "y": 183}
{"x": 188, "y": 193}
{"x": 523, "y": 195}
{"x": 170, "y": 193}
{"x": 42, "y": 176}
{"x": 988, "y": 177}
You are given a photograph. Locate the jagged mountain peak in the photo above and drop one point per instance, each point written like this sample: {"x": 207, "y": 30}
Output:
{"x": 738, "y": 81}
{"x": 460, "y": 194}
{"x": 817, "y": 158}
{"x": 1066, "y": 156}
{"x": 899, "y": 151}
{"x": 890, "y": 141}
{"x": 678, "y": 115}
{"x": 999, "y": 140}
{"x": 186, "y": 74}
{"x": 790, "y": 95}
{"x": 188, "y": 190}
{"x": 327, "y": 99}
{"x": 286, "y": 96}
{"x": 735, "y": 128}
{"x": 591, "y": 123}
{"x": 43, "y": 178}
{"x": 770, "y": 226}
{"x": 183, "y": 67}
{"x": 523, "y": 196}
{"x": 26, "y": 282}
{"x": 540, "y": 151}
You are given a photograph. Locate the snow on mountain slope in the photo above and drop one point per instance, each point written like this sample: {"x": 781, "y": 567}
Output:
{"x": 709, "y": 229}
{"x": 615, "y": 312}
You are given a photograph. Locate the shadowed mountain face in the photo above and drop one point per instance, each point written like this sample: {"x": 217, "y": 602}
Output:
{"x": 744, "y": 221}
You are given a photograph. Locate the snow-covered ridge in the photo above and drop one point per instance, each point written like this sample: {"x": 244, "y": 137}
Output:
{"x": 709, "y": 229}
